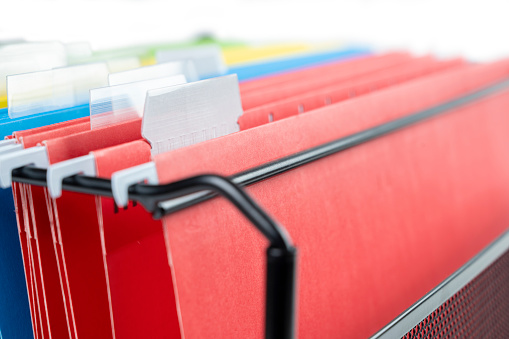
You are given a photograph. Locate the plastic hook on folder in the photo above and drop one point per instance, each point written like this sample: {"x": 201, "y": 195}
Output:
{"x": 33, "y": 156}
{"x": 82, "y": 165}
{"x": 213, "y": 113}
{"x": 108, "y": 106}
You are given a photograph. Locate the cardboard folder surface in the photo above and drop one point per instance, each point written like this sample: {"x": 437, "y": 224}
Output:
{"x": 343, "y": 90}
{"x": 81, "y": 273}
{"x": 312, "y": 71}
{"x": 373, "y": 224}
{"x": 28, "y": 236}
{"x": 140, "y": 281}
{"x": 317, "y": 79}
{"x": 19, "y": 194}
{"x": 46, "y": 267}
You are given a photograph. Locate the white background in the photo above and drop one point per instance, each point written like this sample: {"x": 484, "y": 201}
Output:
{"x": 476, "y": 29}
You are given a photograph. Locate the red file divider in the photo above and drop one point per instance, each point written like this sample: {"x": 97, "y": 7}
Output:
{"x": 317, "y": 71}
{"x": 36, "y": 138}
{"x": 346, "y": 70}
{"x": 43, "y": 241}
{"x": 20, "y": 134}
{"x": 78, "y": 232}
{"x": 344, "y": 90}
{"x": 18, "y": 196}
{"x": 143, "y": 302}
{"x": 76, "y": 145}
{"x": 46, "y": 253}
{"x": 33, "y": 270}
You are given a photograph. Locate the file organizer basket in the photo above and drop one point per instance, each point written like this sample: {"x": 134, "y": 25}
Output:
{"x": 479, "y": 308}
{"x": 473, "y": 300}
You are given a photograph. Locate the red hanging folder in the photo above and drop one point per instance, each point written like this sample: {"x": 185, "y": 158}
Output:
{"x": 140, "y": 281}
{"x": 86, "y": 273}
{"x": 355, "y": 216}
{"x": 32, "y": 252}
{"x": 47, "y": 259}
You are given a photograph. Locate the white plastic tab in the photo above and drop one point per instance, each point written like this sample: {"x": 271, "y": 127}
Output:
{"x": 121, "y": 180}
{"x": 10, "y": 148}
{"x": 57, "y": 172}
{"x": 7, "y": 142}
{"x": 32, "y": 156}
{"x": 44, "y": 91}
{"x": 184, "y": 115}
{"x": 29, "y": 57}
{"x": 114, "y": 104}
{"x": 208, "y": 59}
{"x": 166, "y": 69}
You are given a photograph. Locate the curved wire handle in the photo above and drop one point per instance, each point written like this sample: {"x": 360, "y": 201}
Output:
{"x": 281, "y": 254}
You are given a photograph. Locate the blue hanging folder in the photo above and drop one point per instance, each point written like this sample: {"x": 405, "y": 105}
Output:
{"x": 277, "y": 66}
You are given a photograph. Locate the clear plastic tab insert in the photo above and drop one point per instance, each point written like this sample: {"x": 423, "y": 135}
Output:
{"x": 29, "y": 57}
{"x": 60, "y": 88}
{"x": 115, "y": 104}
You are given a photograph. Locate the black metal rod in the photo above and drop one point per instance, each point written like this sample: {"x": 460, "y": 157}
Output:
{"x": 277, "y": 236}
{"x": 280, "y": 294}
{"x": 273, "y": 168}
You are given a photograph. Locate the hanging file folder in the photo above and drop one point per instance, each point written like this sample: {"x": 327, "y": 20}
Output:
{"x": 324, "y": 195}
{"x": 386, "y": 172}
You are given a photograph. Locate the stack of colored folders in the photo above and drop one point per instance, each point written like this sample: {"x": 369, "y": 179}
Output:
{"x": 386, "y": 171}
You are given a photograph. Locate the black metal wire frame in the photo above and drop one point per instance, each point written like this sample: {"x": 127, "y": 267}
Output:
{"x": 281, "y": 254}
{"x": 162, "y": 200}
